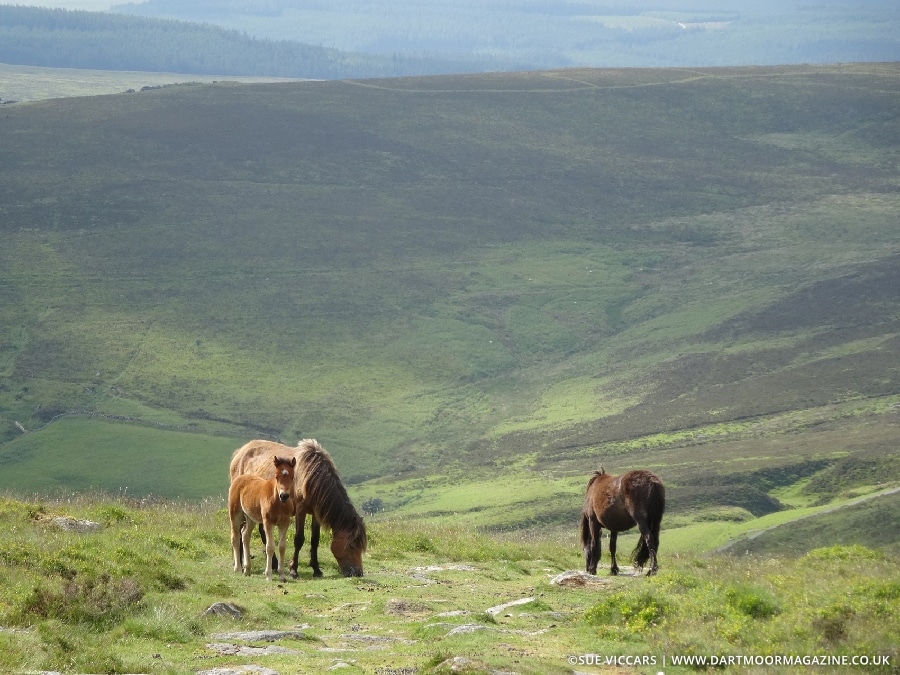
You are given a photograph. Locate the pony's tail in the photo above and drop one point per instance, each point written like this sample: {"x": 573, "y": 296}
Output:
{"x": 641, "y": 554}
{"x": 585, "y": 531}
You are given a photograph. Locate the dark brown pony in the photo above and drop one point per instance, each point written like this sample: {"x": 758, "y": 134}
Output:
{"x": 318, "y": 492}
{"x": 618, "y": 503}
{"x": 267, "y": 502}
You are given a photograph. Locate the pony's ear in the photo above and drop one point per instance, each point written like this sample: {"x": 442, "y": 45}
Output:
{"x": 293, "y": 461}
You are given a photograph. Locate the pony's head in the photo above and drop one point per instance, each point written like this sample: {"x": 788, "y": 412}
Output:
{"x": 284, "y": 477}
{"x": 348, "y": 546}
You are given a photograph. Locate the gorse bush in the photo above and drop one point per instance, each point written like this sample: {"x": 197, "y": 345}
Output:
{"x": 636, "y": 611}
{"x": 752, "y": 601}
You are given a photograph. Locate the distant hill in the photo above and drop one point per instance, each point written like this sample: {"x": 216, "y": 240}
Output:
{"x": 337, "y": 40}
{"x": 556, "y": 33}
{"x": 501, "y": 280}
{"x": 61, "y": 38}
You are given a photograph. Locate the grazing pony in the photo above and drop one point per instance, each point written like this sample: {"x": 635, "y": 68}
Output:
{"x": 270, "y": 503}
{"x": 318, "y": 492}
{"x": 618, "y": 503}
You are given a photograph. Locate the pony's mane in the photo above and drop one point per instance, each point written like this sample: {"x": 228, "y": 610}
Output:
{"x": 594, "y": 476}
{"x": 323, "y": 491}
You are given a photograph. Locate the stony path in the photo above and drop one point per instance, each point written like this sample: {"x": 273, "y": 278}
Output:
{"x": 260, "y": 644}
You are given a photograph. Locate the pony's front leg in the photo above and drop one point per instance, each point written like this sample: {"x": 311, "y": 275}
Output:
{"x": 298, "y": 540}
{"x": 315, "y": 530}
{"x": 270, "y": 549}
{"x": 614, "y": 567}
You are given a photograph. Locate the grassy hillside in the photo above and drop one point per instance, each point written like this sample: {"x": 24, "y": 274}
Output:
{"x": 502, "y": 279}
{"x": 131, "y": 597}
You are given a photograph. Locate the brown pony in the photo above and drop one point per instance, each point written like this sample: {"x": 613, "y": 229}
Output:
{"x": 267, "y": 502}
{"x": 618, "y": 503}
{"x": 318, "y": 491}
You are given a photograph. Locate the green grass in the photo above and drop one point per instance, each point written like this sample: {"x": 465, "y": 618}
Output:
{"x": 109, "y": 457}
{"x": 129, "y": 598}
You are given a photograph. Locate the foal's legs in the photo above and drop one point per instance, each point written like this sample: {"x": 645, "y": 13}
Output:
{"x": 262, "y": 534}
{"x": 282, "y": 545}
{"x": 246, "y": 533}
{"x": 270, "y": 548}
{"x": 236, "y": 538}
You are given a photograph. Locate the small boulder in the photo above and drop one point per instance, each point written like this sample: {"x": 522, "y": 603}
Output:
{"x": 74, "y": 525}
{"x": 578, "y": 579}
{"x": 224, "y": 609}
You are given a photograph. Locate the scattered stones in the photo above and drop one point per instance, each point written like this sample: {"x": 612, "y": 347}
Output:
{"x": 455, "y": 612}
{"x": 463, "y": 629}
{"x": 246, "y": 650}
{"x": 466, "y": 628}
{"x": 56, "y": 672}
{"x": 74, "y": 525}
{"x": 418, "y": 573}
{"x": 239, "y": 670}
{"x": 444, "y": 568}
{"x": 224, "y": 609}
{"x": 405, "y": 608}
{"x": 577, "y": 579}
{"x": 494, "y": 611}
{"x": 463, "y": 664}
{"x": 261, "y": 635}
{"x": 374, "y": 641}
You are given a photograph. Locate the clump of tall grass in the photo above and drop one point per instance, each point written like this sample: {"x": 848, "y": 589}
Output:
{"x": 91, "y": 602}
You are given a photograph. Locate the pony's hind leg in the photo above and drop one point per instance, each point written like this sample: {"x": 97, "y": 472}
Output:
{"x": 236, "y": 543}
{"x": 614, "y": 567}
{"x": 315, "y": 530}
{"x": 652, "y": 539}
{"x": 647, "y": 545}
